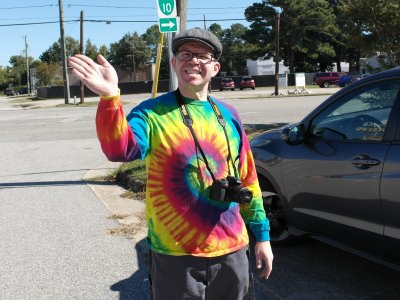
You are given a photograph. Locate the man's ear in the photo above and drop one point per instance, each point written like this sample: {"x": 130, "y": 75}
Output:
{"x": 173, "y": 61}
{"x": 217, "y": 67}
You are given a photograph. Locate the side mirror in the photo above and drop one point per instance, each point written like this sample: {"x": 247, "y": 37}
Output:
{"x": 293, "y": 135}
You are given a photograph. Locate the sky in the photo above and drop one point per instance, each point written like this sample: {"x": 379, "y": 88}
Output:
{"x": 141, "y": 14}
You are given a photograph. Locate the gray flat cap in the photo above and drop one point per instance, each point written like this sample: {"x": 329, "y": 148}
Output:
{"x": 199, "y": 35}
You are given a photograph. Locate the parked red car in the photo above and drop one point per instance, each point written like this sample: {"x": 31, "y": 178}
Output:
{"x": 247, "y": 82}
{"x": 227, "y": 84}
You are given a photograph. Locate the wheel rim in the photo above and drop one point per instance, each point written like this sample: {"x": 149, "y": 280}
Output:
{"x": 276, "y": 216}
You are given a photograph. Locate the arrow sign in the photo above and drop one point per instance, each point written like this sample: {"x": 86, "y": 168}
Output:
{"x": 169, "y": 24}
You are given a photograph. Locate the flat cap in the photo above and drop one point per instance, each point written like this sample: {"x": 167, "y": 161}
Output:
{"x": 199, "y": 35}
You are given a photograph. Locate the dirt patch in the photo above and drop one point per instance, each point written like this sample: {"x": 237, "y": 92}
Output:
{"x": 129, "y": 230}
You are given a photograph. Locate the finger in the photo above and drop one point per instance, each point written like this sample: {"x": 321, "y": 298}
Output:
{"x": 102, "y": 61}
{"x": 265, "y": 272}
{"x": 76, "y": 64}
{"x": 258, "y": 263}
{"x": 86, "y": 59}
{"x": 78, "y": 74}
{"x": 87, "y": 63}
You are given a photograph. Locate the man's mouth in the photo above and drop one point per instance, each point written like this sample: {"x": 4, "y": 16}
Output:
{"x": 192, "y": 71}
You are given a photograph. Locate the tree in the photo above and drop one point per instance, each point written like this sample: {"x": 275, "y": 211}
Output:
{"x": 17, "y": 71}
{"x": 48, "y": 74}
{"x": 53, "y": 54}
{"x": 103, "y": 50}
{"x": 130, "y": 53}
{"x": 91, "y": 50}
{"x": 152, "y": 38}
{"x": 235, "y": 48}
{"x": 307, "y": 29}
{"x": 378, "y": 23}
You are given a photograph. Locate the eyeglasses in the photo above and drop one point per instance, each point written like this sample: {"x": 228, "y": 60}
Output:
{"x": 203, "y": 58}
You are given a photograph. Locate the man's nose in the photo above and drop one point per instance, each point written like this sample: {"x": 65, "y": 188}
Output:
{"x": 194, "y": 55}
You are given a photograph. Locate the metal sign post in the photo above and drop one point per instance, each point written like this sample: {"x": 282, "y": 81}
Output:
{"x": 168, "y": 23}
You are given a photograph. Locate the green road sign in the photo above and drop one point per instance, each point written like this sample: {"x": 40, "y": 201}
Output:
{"x": 168, "y": 24}
{"x": 166, "y": 8}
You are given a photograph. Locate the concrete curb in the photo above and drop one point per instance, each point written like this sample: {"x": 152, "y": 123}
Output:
{"x": 125, "y": 211}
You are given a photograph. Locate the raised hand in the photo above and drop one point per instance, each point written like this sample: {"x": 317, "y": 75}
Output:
{"x": 99, "y": 77}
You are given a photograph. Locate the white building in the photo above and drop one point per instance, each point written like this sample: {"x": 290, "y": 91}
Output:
{"x": 264, "y": 67}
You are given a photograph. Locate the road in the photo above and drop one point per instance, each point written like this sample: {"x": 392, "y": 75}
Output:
{"x": 54, "y": 242}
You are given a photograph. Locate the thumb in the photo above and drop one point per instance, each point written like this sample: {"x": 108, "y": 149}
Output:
{"x": 102, "y": 61}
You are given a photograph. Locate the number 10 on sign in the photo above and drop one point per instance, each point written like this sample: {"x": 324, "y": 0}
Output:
{"x": 166, "y": 8}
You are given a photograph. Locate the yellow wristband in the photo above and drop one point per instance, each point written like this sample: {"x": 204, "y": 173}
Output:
{"x": 111, "y": 97}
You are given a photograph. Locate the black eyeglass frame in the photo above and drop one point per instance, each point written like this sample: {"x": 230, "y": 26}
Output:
{"x": 195, "y": 55}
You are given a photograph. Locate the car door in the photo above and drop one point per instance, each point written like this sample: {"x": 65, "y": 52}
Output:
{"x": 390, "y": 191}
{"x": 332, "y": 181}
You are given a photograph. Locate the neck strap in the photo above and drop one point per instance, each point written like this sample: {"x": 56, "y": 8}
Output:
{"x": 188, "y": 121}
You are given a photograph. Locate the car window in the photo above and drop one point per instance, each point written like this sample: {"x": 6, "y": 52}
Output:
{"x": 359, "y": 116}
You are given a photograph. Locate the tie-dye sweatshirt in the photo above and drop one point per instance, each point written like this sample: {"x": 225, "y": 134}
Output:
{"x": 181, "y": 217}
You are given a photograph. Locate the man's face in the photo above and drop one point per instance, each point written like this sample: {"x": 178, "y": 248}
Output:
{"x": 192, "y": 73}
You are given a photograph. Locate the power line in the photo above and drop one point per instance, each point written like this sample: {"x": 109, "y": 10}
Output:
{"x": 37, "y": 23}
{"x": 30, "y": 6}
{"x": 150, "y": 7}
{"x": 116, "y": 21}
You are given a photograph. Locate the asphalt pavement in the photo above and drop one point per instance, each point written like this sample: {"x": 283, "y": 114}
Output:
{"x": 54, "y": 243}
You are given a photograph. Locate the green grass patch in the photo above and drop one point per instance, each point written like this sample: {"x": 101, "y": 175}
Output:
{"x": 132, "y": 176}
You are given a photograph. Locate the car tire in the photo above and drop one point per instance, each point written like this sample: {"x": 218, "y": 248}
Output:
{"x": 220, "y": 90}
{"x": 232, "y": 89}
{"x": 253, "y": 88}
{"x": 274, "y": 210}
{"x": 326, "y": 84}
{"x": 241, "y": 89}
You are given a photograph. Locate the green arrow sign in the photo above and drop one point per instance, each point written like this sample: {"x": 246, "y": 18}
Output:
{"x": 169, "y": 24}
{"x": 166, "y": 8}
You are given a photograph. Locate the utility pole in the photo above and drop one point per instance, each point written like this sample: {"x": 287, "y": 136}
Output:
{"x": 181, "y": 9}
{"x": 63, "y": 54}
{"x": 133, "y": 73}
{"x": 27, "y": 67}
{"x": 277, "y": 24}
{"x": 82, "y": 86}
{"x": 181, "y": 6}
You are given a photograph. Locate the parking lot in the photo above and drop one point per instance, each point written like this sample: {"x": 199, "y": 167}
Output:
{"x": 308, "y": 270}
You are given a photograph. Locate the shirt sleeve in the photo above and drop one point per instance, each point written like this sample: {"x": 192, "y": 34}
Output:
{"x": 253, "y": 214}
{"x": 113, "y": 131}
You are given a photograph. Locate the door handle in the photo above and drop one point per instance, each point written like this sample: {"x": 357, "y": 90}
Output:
{"x": 364, "y": 161}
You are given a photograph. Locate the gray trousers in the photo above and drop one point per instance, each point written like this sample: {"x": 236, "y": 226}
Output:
{"x": 224, "y": 277}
